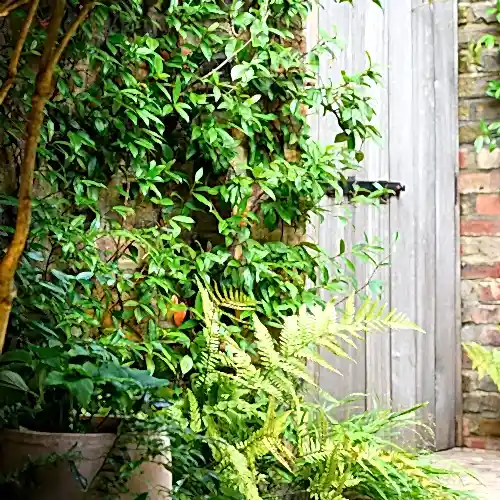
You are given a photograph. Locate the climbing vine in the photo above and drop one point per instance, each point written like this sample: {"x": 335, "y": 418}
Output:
{"x": 176, "y": 145}
{"x": 490, "y": 132}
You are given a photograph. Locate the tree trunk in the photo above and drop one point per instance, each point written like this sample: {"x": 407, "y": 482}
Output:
{"x": 43, "y": 89}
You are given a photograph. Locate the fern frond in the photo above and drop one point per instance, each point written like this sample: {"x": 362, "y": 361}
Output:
{"x": 372, "y": 315}
{"x": 270, "y": 358}
{"x": 209, "y": 311}
{"x": 194, "y": 412}
{"x": 231, "y": 298}
{"x": 267, "y": 440}
{"x": 244, "y": 477}
{"x": 485, "y": 361}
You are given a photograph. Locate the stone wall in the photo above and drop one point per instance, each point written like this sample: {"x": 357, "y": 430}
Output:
{"x": 479, "y": 186}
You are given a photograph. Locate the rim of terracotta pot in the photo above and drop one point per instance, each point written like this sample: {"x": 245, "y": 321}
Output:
{"x": 63, "y": 434}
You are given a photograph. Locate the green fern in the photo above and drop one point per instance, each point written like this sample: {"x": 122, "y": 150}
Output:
{"x": 231, "y": 299}
{"x": 485, "y": 361}
{"x": 324, "y": 457}
{"x": 194, "y": 412}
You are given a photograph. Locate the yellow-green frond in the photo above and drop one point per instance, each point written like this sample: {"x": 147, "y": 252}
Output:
{"x": 485, "y": 361}
{"x": 194, "y": 412}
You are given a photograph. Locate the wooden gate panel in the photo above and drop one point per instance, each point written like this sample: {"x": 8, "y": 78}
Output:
{"x": 413, "y": 44}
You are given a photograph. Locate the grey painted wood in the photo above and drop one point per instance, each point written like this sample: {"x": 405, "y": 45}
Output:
{"x": 378, "y": 346}
{"x": 424, "y": 170}
{"x": 333, "y": 230}
{"x": 413, "y": 43}
{"x": 402, "y": 213}
{"x": 447, "y": 333}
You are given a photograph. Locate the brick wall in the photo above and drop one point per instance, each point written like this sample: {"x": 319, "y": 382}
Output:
{"x": 479, "y": 186}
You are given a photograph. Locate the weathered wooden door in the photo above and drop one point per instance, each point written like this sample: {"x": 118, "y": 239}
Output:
{"x": 413, "y": 43}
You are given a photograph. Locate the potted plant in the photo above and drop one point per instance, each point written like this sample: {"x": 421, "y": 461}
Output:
{"x": 63, "y": 404}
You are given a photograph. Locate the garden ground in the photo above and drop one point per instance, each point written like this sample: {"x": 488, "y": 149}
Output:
{"x": 484, "y": 465}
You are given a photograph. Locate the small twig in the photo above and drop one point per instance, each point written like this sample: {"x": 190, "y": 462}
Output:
{"x": 72, "y": 30}
{"x": 360, "y": 289}
{"x": 227, "y": 60}
{"x": 8, "y": 7}
{"x": 16, "y": 56}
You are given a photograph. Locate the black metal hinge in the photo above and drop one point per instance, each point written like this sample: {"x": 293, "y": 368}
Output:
{"x": 355, "y": 188}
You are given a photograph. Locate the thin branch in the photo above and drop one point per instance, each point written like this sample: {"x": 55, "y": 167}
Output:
{"x": 8, "y": 7}
{"x": 51, "y": 39}
{"x": 72, "y": 30}
{"x": 43, "y": 89}
{"x": 368, "y": 281}
{"x": 16, "y": 56}
{"x": 226, "y": 61}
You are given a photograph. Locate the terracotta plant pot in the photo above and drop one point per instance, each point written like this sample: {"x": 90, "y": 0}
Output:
{"x": 64, "y": 478}
{"x": 152, "y": 476}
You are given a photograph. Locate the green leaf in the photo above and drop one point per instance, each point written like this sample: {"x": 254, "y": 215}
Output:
{"x": 13, "y": 380}
{"x": 244, "y": 19}
{"x": 166, "y": 202}
{"x": 158, "y": 64}
{"x": 238, "y": 71}
{"x": 230, "y": 47}
{"x": 82, "y": 390}
{"x": 152, "y": 43}
{"x": 203, "y": 200}
{"x": 133, "y": 149}
{"x": 183, "y": 218}
{"x": 181, "y": 112}
{"x": 205, "y": 49}
{"x": 18, "y": 356}
{"x": 198, "y": 175}
{"x": 85, "y": 275}
{"x": 186, "y": 364}
{"x": 177, "y": 89}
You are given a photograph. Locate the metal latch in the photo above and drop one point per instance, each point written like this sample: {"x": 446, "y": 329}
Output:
{"x": 353, "y": 188}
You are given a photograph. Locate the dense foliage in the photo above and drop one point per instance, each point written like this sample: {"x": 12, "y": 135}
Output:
{"x": 166, "y": 280}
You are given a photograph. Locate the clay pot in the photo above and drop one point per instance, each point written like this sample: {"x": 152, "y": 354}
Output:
{"x": 152, "y": 476}
{"x": 63, "y": 479}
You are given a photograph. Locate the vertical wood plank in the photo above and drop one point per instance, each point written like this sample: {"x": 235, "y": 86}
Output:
{"x": 447, "y": 333}
{"x": 358, "y": 228}
{"x": 415, "y": 44}
{"x": 424, "y": 169}
{"x": 378, "y": 346}
{"x": 402, "y": 211}
{"x": 312, "y": 38}
{"x": 332, "y": 230}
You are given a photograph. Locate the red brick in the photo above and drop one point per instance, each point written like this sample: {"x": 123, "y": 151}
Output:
{"x": 490, "y": 336}
{"x": 481, "y": 314}
{"x": 466, "y": 362}
{"x": 479, "y": 227}
{"x": 488, "y": 204}
{"x": 480, "y": 271}
{"x": 463, "y": 158}
{"x": 489, "y": 292}
{"x": 478, "y": 443}
{"x": 479, "y": 182}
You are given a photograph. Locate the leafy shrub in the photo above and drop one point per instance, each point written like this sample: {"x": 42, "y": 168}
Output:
{"x": 266, "y": 440}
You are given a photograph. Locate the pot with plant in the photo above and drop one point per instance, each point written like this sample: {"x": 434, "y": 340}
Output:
{"x": 63, "y": 407}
